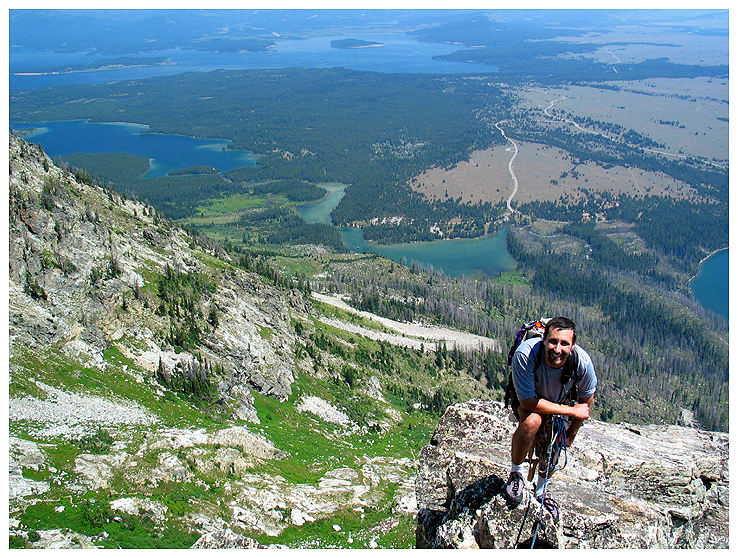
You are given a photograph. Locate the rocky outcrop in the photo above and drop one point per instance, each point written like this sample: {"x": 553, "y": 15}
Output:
{"x": 228, "y": 539}
{"x": 91, "y": 343}
{"x": 83, "y": 265}
{"x": 623, "y": 486}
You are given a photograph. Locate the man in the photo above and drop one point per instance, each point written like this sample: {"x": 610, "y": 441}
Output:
{"x": 537, "y": 380}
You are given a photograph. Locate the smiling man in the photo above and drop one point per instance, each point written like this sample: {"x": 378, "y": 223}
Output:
{"x": 544, "y": 370}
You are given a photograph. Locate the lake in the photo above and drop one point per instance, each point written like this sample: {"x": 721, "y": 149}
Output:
{"x": 486, "y": 255}
{"x": 711, "y": 285}
{"x": 469, "y": 256}
{"x": 320, "y": 211}
{"x": 167, "y": 152}
{"x": 401, "y": 53}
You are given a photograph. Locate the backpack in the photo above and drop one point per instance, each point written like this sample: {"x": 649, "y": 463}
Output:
{"x": 537, "y": 328}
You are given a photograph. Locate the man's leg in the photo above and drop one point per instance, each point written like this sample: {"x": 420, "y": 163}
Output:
{"x": 524, "y": 435}
{"x": 545, "y": 471}
{"x": 521, "y": 442}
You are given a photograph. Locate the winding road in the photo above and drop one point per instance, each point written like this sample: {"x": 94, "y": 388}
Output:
{"x": 657, "y": 151}
{"x": 554, "y": 118}
{"x": 510, "y": 166}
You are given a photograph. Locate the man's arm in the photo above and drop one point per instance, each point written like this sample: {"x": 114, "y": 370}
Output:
{"x": 579, "y": 412}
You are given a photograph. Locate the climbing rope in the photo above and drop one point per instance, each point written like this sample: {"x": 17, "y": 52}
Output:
{"x": 557, "y": 443}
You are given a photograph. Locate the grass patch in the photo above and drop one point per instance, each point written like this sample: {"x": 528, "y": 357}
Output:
{"x": 266, "y": 333}
{"x": 296, "y": 266}
{"x": 357, "y": 531}
{"x": 311, "y": 445}
{"x": 513, "y": 277}
{"x": 97, "y": 443}
{"x": 91, "y": 514}
{"x": 228, "y": 204}
{"x": 314, "y": 446}
{"x": 53, "y": 369}
{"x": 321, "y": 534}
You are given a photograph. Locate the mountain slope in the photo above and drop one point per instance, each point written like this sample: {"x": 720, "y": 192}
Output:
{"x": 87, "y": 266}
{"x": 159, "y": 390}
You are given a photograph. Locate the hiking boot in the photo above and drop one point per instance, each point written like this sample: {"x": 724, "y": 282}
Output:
{"x": 550, "y": 506}
{"x": 515, "y": 487}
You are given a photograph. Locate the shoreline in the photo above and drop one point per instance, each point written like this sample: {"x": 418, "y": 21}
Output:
{"x": 703, "y": 260}
{"x": 99, "y": 69}
{"x": 228, "y": 142}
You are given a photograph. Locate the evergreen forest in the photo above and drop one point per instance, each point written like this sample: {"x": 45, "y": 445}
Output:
{"x": 617, "y": 264}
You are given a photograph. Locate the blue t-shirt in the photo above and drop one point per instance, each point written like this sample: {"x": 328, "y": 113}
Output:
{"x": 548, "y": 386}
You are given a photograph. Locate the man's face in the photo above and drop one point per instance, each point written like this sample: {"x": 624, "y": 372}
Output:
{"x": 559, "y": 344}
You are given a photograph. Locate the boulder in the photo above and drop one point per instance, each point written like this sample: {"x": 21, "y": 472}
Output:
{"x": 228, "y": 539}
{"x": 622, "y": 486}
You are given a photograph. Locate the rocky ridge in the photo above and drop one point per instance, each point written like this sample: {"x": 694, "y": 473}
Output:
{"x": 86, "y": 343}
{"x": 76, "y": 258}
{"x": 623, "y": 486}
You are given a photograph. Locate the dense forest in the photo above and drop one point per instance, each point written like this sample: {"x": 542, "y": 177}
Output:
{"x": 117, "y": 168}
{"x": 656, "y": 351}
{"x": 354, "y": 43}
{"x": 685, "y": 230}
{"x": 371, "y": 131}
{"x": 374, "y": 132}
{"x": 129, "y": 61}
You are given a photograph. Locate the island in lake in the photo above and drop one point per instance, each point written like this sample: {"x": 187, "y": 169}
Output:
{"x": 354, "y": 43}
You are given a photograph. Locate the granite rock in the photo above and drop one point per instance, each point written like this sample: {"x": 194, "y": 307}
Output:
{"x": 623, "y": 486}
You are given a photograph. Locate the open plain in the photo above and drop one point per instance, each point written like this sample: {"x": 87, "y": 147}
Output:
{"x": 547, "y": 173}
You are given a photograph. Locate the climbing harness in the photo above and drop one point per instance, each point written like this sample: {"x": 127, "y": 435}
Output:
{"x": 556, "y": 443}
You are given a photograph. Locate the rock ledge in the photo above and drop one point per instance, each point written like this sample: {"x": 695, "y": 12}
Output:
{"x": 624, "y": 486}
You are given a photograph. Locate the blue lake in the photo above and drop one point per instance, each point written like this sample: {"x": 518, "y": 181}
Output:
{"x": 320, "y": 211}
{"x": 400, "y": 53}
{"x": 711, "y": 286}
{"x": 469, "y": 257}
{"x": 167, "y": 152}
{"x": 486, "y": 255}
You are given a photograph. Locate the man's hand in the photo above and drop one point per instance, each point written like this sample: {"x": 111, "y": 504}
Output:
{"x": 580, "y": 411}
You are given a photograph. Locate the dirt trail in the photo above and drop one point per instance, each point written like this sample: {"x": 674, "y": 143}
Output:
{"x": 510, "y": 166}
{"x": 408, "y": 334}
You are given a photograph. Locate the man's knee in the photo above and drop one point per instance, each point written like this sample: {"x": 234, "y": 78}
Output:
{"x": 529, "y": 424}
